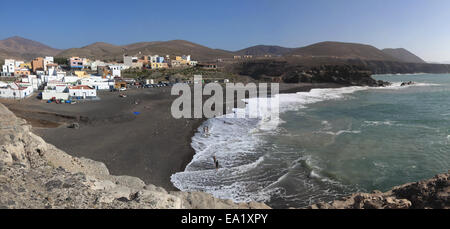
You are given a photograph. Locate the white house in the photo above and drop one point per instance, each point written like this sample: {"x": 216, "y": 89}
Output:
{"x": 116, "y": 70}
{"x": 70, "y": 79}
{"x": 98, "y": 83}
{"x": 9, "y": 67}
{"x": 15, "y": 91}
{"x": 48, "y": 60}
{"x": 82, "y": 91}
{"x": 60, "y": 73}
{"x": 33, "y": 80}
{"x": 36, "y": 83}
{"x": 52, "y": 69}
{"x": 53, "y": 84}
{"x": 50, "y": 94}
{"x": 60, "y": 88}
{"x": 96, "y": 64}
{"x": 47, "y": 78}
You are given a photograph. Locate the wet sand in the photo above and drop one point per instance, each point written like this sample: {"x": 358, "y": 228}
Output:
{"x": 150, "y": 144}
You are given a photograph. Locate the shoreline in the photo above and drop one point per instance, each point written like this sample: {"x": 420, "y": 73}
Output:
{"x": 284, "y": 89}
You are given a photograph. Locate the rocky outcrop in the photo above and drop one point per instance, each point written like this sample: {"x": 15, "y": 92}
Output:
{"x": 428, "y": 194}
{"x": 289, "y": 72}
{"x": 337, "y": 70}
{"x": 339, "y": 74}
{"x": 34, "y": 174}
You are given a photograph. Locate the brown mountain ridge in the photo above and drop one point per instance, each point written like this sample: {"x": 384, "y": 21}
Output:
{"x": 403, "y": 55}
{"x": 18, "y": 47}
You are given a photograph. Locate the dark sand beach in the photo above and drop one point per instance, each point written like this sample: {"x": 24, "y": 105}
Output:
{"x": 150, "y": 144}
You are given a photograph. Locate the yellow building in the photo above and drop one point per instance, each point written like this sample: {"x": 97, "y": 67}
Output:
{"x": 26, "y": 65}
{"x": 159, "y": 65}
{"x": 180, "y": 61}
{"x": 81, "y": 74}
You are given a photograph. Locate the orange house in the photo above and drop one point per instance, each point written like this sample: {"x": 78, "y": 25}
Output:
{"x": 22, "y": 72}
{"x": 37, "y": 64}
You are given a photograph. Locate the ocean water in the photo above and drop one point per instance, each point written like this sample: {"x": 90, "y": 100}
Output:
{"x": 329, "y": 143}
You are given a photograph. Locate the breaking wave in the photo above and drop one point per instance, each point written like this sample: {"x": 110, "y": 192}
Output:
{"x": 245, "y": 172}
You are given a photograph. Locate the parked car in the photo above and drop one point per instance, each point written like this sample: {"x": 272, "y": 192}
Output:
{"x": 122, "y": 89}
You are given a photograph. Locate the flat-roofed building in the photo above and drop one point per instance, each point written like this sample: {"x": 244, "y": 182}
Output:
{"x": 9, "y": 67}
{"x": 37, "y": 64}
{"x": 76, "y": 63}
{"x": 82, "y": 91}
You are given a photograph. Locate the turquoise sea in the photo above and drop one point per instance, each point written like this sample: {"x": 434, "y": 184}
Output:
{"x": 330, "y": 143}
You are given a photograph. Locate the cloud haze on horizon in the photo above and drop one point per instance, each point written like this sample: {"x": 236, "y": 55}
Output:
{"x": 417, "y": 25}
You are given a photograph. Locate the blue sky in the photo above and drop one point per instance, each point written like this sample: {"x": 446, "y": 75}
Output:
{"x": 422, "y": 26}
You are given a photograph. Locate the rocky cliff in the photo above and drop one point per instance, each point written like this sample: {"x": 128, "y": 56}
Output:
{"x": 289, "y": 72}
{"x": 428, "y": 194}
{"x": 328, "y": 70}
{"x": 35, "y": 174}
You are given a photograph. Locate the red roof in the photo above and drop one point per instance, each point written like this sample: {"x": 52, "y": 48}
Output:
{"x": 20, "y": 87}
{"x": 85, "y": 87}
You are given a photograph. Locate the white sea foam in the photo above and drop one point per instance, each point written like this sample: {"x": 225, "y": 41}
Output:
{"x": 402, "y": 74}
{"x": 379, "y": 123}
{"x": 397, "y": 124}
{"x": 234, "y": 142}
{"x": 341, "y": 132}
{"x": 398, "y": 85}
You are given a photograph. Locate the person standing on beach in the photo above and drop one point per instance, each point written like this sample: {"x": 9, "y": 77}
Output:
{"x": 217, "y": 164}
